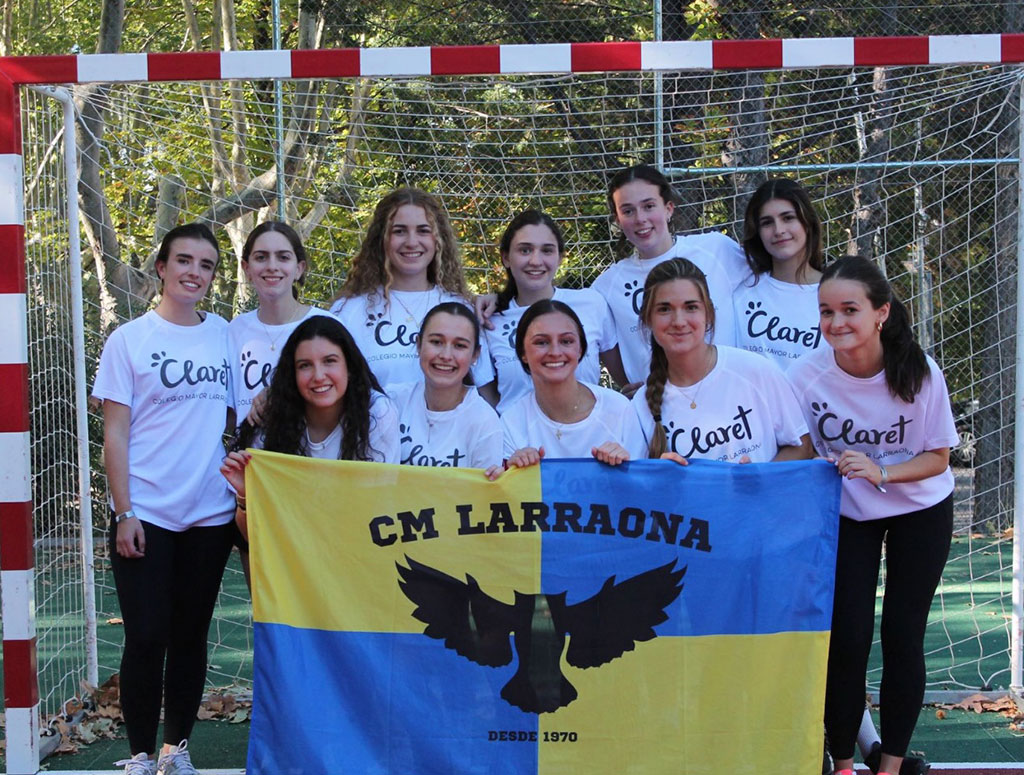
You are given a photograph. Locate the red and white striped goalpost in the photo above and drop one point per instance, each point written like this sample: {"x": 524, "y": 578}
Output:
{"x": 21, "y": 688}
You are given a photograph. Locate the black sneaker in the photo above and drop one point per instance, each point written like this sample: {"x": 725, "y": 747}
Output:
{"x": 912, "y": 765}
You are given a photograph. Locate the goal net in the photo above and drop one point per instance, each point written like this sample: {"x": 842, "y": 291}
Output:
{"x": 915, "y": 166}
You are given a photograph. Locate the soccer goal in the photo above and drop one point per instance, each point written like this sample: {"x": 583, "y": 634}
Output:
{"x": 910, "y": 147}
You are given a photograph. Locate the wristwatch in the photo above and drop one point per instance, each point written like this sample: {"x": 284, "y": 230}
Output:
{"x": 129, "y": 514}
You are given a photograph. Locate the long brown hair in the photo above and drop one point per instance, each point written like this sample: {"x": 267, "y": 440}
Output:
{"x": 758, "y": 258}
{"x": 370, "y": 270}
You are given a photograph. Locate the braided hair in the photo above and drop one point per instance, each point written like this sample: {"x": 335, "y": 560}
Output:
{"x": 665, "y": 272}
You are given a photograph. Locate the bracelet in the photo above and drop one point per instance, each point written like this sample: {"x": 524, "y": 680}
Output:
{"x": 119, "y": 518}
{"x": 240, "y": 502}
{"x": 885, "y": 474}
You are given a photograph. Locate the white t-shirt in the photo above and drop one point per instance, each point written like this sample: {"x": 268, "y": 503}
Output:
{"x": 175, "y": 380}
{"x": 526, "y": 425}
{"x": 622, "y": 285}
{"x": 598, "y": 325}
{"x": 384, "y": 444}
{"x": 744, "y": 407}
{"x": 468, "y": 436}
{"x": 254, "y": 349}
{"x": 777, "y": 319}
{"x": 386, "y": 333}
{"x": 847, "y": 412}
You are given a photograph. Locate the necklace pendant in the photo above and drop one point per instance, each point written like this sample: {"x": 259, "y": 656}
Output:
{"x": 272, "y": 347}
{"x": 558, "y": 434}
{"x": 693, "y": 404}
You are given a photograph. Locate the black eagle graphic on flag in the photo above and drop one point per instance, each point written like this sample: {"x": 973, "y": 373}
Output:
{"x": 601, "y": 628}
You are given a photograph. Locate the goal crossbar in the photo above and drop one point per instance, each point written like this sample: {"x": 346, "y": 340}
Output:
{"x": 21, "y": 687}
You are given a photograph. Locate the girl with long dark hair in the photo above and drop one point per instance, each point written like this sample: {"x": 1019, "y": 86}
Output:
{"x": 323, "y": 402}
{"x": 776, "y": 307}
{"x": 878, "y": 406}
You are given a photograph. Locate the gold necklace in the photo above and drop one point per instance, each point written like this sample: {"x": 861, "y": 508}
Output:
{"x": 409, "y": 317}
{"x": 274, "y": 339}
{"x": 700, "y": 382}
{"x": 572, "y": 415}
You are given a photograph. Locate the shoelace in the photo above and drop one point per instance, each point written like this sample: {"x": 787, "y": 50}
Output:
{"x": 181, "y": 760}
{"x": 137, "y": 766}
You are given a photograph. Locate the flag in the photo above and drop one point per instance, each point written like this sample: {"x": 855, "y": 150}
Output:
{"x": 571, "y": 617}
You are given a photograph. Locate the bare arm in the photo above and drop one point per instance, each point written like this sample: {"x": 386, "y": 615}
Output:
{"x": 801, "y": 451}
{"x": 612, "y": 360}
{"x": 490, "y": 392}
{"x": 131, "y": 538}
{"x": 857, "y": 465}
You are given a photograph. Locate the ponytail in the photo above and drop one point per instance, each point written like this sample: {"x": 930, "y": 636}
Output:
{"x": 905, "y": 363}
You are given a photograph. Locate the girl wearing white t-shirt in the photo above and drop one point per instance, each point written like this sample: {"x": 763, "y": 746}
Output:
{"x": 274, "y": 262}
{"x": 561, "y": 417}
{"x": 443, "y": 421}
{"x": 879, "y": 407}
{"x": 163, "y": 379}
{"x": 643, "y": 206}
{"x": 776, "y": 307}
{"x": 323, "y": 402}
{"x": 532, "y": 248}
{"x": 407, "y": 264}
{"x": 703, "y": 400}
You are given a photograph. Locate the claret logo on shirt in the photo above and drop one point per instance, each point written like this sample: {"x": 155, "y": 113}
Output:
{"x": 688, "y": 441}
{"x": 602, "y": 628}
{"x": 635, "y": 293}
{"x": 386, "y": 333}
{"x": 255, "y": 373}
{"x": 760, "y": 324}
{"x": 831, "y": 427}
{"x": 174, "y": 372}
{"x": 509, "y": 330}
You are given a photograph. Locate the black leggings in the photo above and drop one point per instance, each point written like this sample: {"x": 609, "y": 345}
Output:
{"x": 167, "y": 600}
{"x": 916, "y": 547}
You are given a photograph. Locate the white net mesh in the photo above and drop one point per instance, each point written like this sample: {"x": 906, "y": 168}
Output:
{"x": 902, "y": 164}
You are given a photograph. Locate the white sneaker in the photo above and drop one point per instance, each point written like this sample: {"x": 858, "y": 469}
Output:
{"x": 140, "y": 764}
{"x": 176, "y": 761}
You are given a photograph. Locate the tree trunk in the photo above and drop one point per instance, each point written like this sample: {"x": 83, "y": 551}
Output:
{"x": 873, "y": 127}
{"x": 748, "y": 143}
{"x": 994, "y": 422}
{"x": 124, "y": 290}
{"x": 685, "y": 99}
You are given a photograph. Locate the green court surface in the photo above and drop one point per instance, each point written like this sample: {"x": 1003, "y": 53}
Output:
{"x": 968, "y": 629}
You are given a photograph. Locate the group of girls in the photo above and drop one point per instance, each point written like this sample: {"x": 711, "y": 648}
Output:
{"x": 748, "y": 354}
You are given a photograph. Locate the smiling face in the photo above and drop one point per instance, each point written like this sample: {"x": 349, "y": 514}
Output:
{"x": 188, "y": 271}
{"x": 782, "y": 233}
{"x": 678, "y": 317}
{"x": 644, "y": 216}
{"x": 533, "y": 258}
{"x": 848, "y": 321}
{"x": 447, "y": 348}
{"x": 273, "y": 267}
{"x": 552, "y": 347}
{"x": 321, "y": 372}
{"x": 410, "y": 247}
